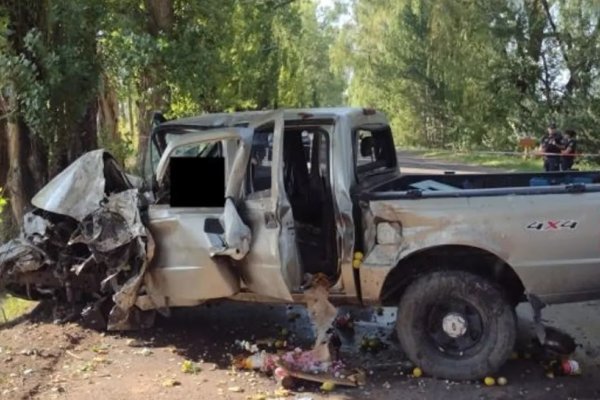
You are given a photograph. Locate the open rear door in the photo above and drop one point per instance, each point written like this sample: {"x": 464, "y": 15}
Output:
{"x": 271, "y": 267}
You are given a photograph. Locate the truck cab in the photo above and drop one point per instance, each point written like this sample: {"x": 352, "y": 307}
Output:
{"x": 288, "y": 182}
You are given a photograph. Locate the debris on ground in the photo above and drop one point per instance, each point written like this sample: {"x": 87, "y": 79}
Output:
{"x": 562, "y": 367}
{"x": 372, "y": 344}
{"x": 189, "y": 367}
{"x": 489, "y": 381}
{"x": 328, "y": 386}
{"x": 319, "y": 364}
{"x": 345, "y": 322}
{"x": 170, "y": 382}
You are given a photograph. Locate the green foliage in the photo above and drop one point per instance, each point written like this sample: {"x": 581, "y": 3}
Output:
{"x": 475, "y": 74}
{"x": 51, "y": 72}
{"x": 225, "y": 55}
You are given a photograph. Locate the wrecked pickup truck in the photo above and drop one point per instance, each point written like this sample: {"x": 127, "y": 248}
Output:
{"x": 248, "y": 205}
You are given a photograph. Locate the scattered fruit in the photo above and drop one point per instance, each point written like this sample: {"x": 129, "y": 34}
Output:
{"x": 356, "y": 263}
{"x": 502, "y": 381}
{"x": 359, "y": 255}
{"x": 327, "y": 386}
{"x": 188, "y": 367}
{"x": 489, "y": 381}
{"x": 417, "y": 372}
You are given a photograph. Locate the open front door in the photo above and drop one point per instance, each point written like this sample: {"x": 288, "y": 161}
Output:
{"x": 271, "y": 267}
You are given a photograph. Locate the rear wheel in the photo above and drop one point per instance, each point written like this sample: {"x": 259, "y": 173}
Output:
{"x": 456, "y": 325}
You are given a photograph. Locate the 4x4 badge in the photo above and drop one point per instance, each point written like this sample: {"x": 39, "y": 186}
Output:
{"x": 553, "y": 225}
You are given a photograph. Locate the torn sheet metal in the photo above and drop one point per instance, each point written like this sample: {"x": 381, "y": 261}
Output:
{"x": 114, "y": 224}
{"x": 78, "y": 190}
{"x": 235, "y": 241}
{"x": 35, "y": 227}
{"x": 20, "y": 256}
{"x": 89, "y": 220}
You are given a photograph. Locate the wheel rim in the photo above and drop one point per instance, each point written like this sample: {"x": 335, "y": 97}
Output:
{"x": 454, "y": 326}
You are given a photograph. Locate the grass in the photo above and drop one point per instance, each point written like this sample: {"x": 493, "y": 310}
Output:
{"x": 505, "y": 162}
{"x": 13, "y": 307}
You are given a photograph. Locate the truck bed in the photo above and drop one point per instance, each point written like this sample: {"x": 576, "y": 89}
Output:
{"x": 469, "y": 185}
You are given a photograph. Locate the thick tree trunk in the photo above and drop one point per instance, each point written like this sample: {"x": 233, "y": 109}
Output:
{"x": 86, "y": 137}
{"x": 108, "y": 112}
{"x": 21, "y": 182}
{"x": 151, "y": 86}
{"x": 3, "y": 153}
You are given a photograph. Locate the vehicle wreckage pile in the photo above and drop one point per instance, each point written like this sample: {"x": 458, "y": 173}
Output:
{"x": 84, "y": 244}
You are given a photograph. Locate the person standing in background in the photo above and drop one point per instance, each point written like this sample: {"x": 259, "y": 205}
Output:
{"x": 551, "y": 144}
{"x": 567, "y": 157}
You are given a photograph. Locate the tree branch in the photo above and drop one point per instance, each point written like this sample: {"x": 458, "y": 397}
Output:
{"x": 553, "y": 25}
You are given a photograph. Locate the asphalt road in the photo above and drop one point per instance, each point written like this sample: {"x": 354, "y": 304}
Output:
{"x": 411, "y": 163}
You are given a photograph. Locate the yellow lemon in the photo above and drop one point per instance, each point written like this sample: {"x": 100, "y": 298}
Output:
{"x": 359, "y": 255}
{"x": 327, "y": 386}
{"x": 356, "y": 263}
{"x": 417, "y": 372}
{"x": 489, "y": 381}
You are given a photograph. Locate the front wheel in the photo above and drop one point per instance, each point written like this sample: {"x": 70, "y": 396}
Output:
{"x": 456, "y": 325}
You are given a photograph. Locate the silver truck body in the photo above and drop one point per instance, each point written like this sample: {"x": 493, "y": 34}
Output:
{"x": 312, "y": 191}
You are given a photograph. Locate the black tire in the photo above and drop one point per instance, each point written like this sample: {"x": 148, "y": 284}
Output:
{"x": 478, "y": 328}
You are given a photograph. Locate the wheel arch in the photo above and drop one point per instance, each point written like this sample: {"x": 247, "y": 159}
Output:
{"x": 451, "y": 257}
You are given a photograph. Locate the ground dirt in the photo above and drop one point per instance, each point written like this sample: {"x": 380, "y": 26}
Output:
{"x": 43, "y": 360}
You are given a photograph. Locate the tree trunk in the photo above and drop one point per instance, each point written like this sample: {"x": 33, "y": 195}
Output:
{"x": 108, "y": 112}
{"x": 86, "y": 137}
{"x": 3, "y": 153}
{"x": 21, "y": 183}
{"x": 151, "y": 86}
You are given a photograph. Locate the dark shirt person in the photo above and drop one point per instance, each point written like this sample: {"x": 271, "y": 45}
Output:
{"x": 551, "y": 144}
{"x": 569, "y": 150}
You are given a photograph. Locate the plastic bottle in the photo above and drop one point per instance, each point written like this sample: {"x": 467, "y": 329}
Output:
{"x": 565, "y": 367}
